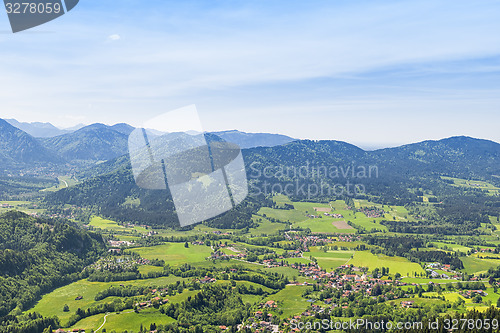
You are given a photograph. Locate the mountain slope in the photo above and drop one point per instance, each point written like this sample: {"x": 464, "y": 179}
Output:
{"x": 123, "y": 128}
{"x": 459, "y": 156}
{"x": 250, "y": 140}
{"x": 36, "y": 256}
{"x": 17, "y": 148}
{"x": 94, "y": 142}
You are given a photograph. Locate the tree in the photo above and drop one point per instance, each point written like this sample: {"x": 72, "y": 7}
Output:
{"x": 66, "y": 308}
{"x": 186, "y": 245}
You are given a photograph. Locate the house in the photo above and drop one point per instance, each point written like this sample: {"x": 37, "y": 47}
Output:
{"x": 270, "y": 304}
{"x": 78, "y": 298}
{"x": 207, "y": 279}
{"x": 407, "y": 304}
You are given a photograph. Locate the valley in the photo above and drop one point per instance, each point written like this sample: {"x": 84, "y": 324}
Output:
{"x": 295, "y": 241}
{"x": 83, "y": 248}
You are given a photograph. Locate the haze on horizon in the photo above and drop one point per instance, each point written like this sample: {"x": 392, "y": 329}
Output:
{"x": 370, "y": 74}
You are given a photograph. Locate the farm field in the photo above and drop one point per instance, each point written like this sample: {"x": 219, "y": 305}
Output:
{"x": 290, "y": 215}
{"x": 64, "y": 182}
{"x": 266, "y": 227}
{"x": 124, "y": 321}
{"x": 475, "y": 265}
{"x": 452, "y": 246}
{"x": 331, "y": 259}
{"x": 175, "y": 254}
{"x": 21, "y": 206}
{"x": 477, "y": 184}
{"x": 100, "y": 223}
{"x": 290, "y": 300}
{"x": 395, "y": 264}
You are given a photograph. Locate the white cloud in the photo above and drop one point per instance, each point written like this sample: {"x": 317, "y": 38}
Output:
{"x": 114, "y": 37}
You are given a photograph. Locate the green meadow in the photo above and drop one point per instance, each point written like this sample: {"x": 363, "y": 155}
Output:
{"x": 290, "y": 300}
{"x": 100, "y": 223}
{"x": 475, "y": 265}
{"x": 331, "y": 259}
{"x": 52, "y": 303}
{"x": 124, "y": 321}
{"x": 266, "y": 227}
{"x": 175, "y": 254}
{"x": 395, "y": 264}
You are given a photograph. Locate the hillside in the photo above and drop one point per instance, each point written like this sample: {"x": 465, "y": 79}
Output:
{"x": 17, "y": 148}
{"x": 37, "y": 256}
{"x": 94, "y": 142}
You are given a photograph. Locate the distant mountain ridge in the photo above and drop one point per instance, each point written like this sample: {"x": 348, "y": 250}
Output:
{"x": 251, "y": 140}
{"x": 38, "y": 129}
{"x": 96, "y": 142}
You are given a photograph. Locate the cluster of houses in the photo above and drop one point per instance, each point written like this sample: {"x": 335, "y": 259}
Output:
{"x": 114, "y": 263}
{"x": 118, "y": 243}
{"x": 348, "y": 238}
{"x": 432, "y": 267}
{"x": 261, "y": 321}
{"x": 158, "y": 298}
{"x": 372, "y": 212}
{"x": 334, "y": 215}
{"x": 6, "y": 205}
{"x": 207, "y": 279}
{"x": 472, "y": 293}
{"x": 218, "y": 254}
{"x": 259, "y": 324}
{"x": 309, "y": 240}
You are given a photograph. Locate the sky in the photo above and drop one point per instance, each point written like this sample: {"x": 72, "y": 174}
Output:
{"x": 373, "y": 73}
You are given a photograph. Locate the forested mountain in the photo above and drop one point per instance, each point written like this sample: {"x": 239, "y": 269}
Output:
{"x": 250, "y": 140}
{"x": 123, "y": 128}
{"x": 95, "y": 142}
{"x": 17, "y": 148}
{"x": 390, "y": 176}
{"x": 38, "y": 129}
{"x": 459, "y": 156}
{"x": 36, "y": 256}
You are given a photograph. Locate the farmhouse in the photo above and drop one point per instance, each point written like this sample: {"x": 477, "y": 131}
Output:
{"x": 407, "y": 304}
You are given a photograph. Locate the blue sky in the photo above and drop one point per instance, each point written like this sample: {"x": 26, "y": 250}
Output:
{"x": 372, "y": 73}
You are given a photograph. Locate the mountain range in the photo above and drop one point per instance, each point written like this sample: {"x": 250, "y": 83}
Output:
{"x": 26, "y": 144}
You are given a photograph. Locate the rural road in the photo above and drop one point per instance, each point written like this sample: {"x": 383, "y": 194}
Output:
{"x": 105, "y": 317}
{"x": 65, "y": 183}
{"x": 104, "y": 322}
